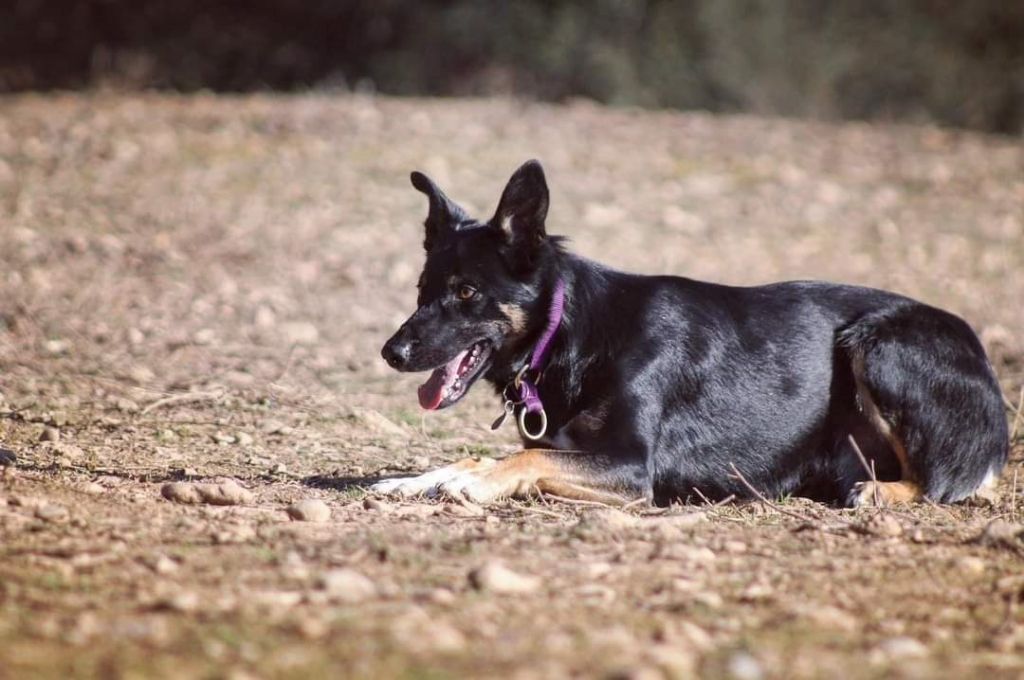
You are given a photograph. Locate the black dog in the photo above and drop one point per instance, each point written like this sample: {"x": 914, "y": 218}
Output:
{"x": 629, "y": 386}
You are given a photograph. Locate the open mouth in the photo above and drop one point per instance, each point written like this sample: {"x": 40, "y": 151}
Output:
{"x": 448, "y": 384}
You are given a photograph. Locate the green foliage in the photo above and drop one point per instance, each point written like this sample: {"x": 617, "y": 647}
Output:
{"x": 957, "y": 63}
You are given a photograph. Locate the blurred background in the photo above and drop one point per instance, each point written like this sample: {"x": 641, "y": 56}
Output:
{"x": 949, "y": 62}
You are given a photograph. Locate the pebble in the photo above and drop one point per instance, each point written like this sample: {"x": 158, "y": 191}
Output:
{"x": 417, "y": 510}
{"x": 883, "y": 524}
{"x": 275, "y": 599}
{"x": 375, "y": 505}
{"x": 309, "y": 510}
{"x": 1000, "y": 532}
{"x": 50, "y": 434}
{"x": 162, "y": 564}
{"x": 971, "y": 565}
{"x": 243, "y": 439}
{"x": 227, "y": 492}
{"x": 300, "y": 332}
{"x": 494, "y": 577}
{"x": 902, "y": 648}
{"x": 7, "y": 457}
{"x": 92, "y": 488}
{"x": 275, "y": 427}
{"x": 184, "y": 602}
{"x": 346, "y": 585}
{"x": 743, "y": 666}
{"x": 51, "y": 512}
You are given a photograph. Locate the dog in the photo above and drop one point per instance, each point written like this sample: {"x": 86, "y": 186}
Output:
{"x": 663, "y": 388}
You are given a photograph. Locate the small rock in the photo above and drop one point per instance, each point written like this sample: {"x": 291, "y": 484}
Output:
{"x": 222, "y": 438}
{"x": 51, "y": 512}
{"x": 204, "y": 336}
{"x": 243, "y": 439}
{"x": 417, "y": 510}
{"x": 240, "y": 533}
{"x": 827, "y": 617}
{"x": 309, "y": 510}
{"x": 495, "y": 577}
{"x": 709, "y": 599}
{"x": 275, "y": 599}
{"x": 378, "y": 422}
{"x": 57, "y": 347}
{"x": 300, "y": 332}
{"x": 227, "y": 492}
{"x": 421, "y": 462}
{"x": 50, "y": 434}
{"x": 275, "y": 427}
{"x": 92, "y": 488}
{"x": 902, "y": 648}
{"x": 735, "y": 547}
{"x": 883, "y": 524}
{"x": 184, "y": 602}
{"x": 441, "y": 596}
{"x": 141, "y": 375}
{"x": 596, "y": 570}
{"x": 346, "y": 585}
{"x": 596, "y": 591}
{"x": 162, "y": 565}
{"x": 971, "y": 565}
{"x": 743, "y": 666}
{"x": 375, "y": 505}
{"x": 1002, "y": 533}
{"x": 757, "y": 592}
{"x": 126, "y": 405}
{"x": 7, "y": 457}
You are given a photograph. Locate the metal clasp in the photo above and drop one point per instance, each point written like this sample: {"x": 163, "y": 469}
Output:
{"x": 533, "y": 436}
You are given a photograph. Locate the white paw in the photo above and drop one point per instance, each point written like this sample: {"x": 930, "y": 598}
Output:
{"x": 472, "y": 486}
{"x": 428, "y": 483}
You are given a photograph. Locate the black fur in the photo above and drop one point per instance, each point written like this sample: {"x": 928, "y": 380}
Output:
{"x": 663, "y": 382}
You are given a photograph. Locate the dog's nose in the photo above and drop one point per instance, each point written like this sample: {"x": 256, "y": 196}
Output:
{"x": 397, "y": 351}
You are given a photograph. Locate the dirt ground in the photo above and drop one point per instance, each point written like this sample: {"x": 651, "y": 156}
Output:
{"x": 196, "y": 290}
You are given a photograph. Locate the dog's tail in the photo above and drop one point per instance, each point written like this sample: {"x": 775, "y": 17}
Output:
{"x": 924, "y": 380}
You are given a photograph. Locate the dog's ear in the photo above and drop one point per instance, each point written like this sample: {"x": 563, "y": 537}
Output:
{"x": 443, "y": 216}
{"x": 522, "y": 210}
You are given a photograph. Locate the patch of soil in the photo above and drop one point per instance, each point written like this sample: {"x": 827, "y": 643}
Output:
{"x": 193, "y": 297}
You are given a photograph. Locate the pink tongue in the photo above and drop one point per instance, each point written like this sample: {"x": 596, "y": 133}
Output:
{"x": 430, "y": 392}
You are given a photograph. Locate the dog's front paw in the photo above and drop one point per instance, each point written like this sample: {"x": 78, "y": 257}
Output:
{"x": 476, "y": 486}
{"x": 430, "y": 483}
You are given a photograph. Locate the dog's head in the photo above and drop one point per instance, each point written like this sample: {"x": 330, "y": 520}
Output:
{"x": 479, "y": 290}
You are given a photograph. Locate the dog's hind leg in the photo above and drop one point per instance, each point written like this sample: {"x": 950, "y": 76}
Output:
{"x": 568, "y": 474}
{"x": 924, "y": 383}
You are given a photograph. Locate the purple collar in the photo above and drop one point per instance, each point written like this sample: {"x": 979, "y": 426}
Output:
{"x": 521, "y": 393}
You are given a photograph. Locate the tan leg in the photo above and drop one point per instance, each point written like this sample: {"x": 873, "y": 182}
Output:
{"x": 904, "y": 491}
{"x": 485, "y": 480}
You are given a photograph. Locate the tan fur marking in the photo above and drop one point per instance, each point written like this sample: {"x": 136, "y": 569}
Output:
{"x": 576, "y": 492}
{"x": 889, "y": 493}
{"x": 528, "y": 471}
{"x": 516, "y": 316}
{"x": 878, "y": 420}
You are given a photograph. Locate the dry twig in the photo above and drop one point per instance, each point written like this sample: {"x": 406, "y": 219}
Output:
{"x": 183, "y": 398}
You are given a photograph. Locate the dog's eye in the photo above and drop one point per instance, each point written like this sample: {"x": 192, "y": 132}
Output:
{"x": 466, "y": 292}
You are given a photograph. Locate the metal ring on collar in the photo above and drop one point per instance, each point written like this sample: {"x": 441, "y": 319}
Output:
{"x": 531, "y": 435}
